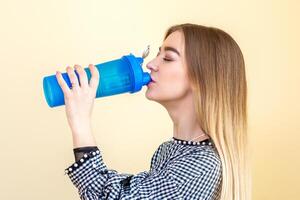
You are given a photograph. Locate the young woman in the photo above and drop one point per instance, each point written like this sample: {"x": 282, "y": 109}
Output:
{"x": 199, "y": 77}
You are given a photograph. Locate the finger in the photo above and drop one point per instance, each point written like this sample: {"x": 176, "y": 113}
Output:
{"x": 82, "y": 76}
{"x": 62, "y": 83}
{"x": 95, "y": 76}
{"x": 73, "y": 78}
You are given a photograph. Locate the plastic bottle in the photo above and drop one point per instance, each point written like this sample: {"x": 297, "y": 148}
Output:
{"x": 116, "y": 77}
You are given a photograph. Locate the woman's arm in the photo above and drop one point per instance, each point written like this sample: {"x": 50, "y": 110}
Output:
{"x": 95, "y": 181}
{"x": 89, "y": 174}
{"x": 196, "y": 175}
{"x": 79, "y": 102}
{"x": 83, "y": 139}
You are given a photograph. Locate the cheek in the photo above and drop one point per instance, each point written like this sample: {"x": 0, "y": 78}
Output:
{"x": 172, "y": 85}
{"x": 176, "y": 86}
{"x": 175, "y": 81}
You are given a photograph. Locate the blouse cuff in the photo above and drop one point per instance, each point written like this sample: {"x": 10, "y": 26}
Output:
{"x": 80, "y": 151}
{"x": 82, "y": 170}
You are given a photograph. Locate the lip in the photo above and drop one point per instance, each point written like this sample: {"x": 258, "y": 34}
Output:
{"x": 152, "y": 79}
{"x": 150, "y": 83}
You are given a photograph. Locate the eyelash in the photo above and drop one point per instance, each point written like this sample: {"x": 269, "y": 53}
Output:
{"x": 165, "y": 59}
{"x": 168, "y": 60}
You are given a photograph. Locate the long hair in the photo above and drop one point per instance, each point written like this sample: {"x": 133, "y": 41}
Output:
{"x": 216, "y": 71}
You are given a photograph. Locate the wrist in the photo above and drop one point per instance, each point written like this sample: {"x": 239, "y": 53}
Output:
{"x": 80, "y": 126}
{"x": 82, "y": 131}
{"x": 83, "y": 138}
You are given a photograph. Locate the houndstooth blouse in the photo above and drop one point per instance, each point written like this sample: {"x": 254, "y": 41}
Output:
{"x": 179, "y": 170}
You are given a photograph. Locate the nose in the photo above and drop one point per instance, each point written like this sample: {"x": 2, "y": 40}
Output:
{"x": 152, "y": 65}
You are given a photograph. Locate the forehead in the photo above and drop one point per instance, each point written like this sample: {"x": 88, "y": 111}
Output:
{"x": 175, "y": 40}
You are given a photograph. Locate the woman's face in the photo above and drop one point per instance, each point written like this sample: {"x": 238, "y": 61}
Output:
{"x": 169, "y": 71}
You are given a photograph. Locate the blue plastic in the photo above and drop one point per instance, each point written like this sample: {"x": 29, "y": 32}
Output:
{"x": 116, "y": 77}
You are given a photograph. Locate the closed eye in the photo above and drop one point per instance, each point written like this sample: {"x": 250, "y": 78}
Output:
{"x": 165, "y": 59}
{"x": 168, "y": 60}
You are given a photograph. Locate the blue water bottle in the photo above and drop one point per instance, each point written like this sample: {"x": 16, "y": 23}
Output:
{"x": 116, "y": 77}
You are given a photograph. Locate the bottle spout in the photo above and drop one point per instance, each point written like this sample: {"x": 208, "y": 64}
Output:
{"x": 146, "y": 52}
{"x": 146, "y": 78}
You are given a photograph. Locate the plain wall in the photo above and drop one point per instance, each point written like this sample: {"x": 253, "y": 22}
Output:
{"x": 39, "y": 37}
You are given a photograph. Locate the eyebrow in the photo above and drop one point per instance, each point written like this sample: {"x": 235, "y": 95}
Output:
{"x": 168, "y": 48}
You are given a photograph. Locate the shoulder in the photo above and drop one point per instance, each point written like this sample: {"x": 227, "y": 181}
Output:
{"x": 208, "y": 156}
{"x": 156, "y": 154}
{"x": 195, "y": 162}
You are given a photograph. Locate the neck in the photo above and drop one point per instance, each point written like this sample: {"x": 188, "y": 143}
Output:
{"x": 185, "y": 125}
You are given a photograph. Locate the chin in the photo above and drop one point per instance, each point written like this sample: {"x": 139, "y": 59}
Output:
{"x": 154, "y": 97}
{"x": 149, "y": 95}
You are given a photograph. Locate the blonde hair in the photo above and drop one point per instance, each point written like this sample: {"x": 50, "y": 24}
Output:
{"x": 216, "y": 70}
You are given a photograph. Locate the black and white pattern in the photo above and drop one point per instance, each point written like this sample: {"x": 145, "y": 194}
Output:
{"x": 179, "y": 170}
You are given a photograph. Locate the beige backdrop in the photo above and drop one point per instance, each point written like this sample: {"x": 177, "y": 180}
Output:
{"x": 39, "y": 37}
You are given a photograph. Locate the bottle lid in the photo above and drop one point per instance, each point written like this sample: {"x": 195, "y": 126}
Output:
{"x": 139, "y": 77}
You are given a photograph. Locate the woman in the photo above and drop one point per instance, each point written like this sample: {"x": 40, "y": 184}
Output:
{"x": 199, "y": 77}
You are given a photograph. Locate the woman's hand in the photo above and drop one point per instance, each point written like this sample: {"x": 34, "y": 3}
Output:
{"x": 79, "y": 99}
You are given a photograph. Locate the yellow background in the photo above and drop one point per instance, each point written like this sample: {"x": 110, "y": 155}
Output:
{"x": 39, "y": 37}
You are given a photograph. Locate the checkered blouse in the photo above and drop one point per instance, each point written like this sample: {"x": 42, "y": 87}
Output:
{"x": 179, "y": 170}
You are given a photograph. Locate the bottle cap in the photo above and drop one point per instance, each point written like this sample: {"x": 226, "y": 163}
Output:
{"x": 139, "y": 77}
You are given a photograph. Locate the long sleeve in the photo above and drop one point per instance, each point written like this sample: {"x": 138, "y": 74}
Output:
{"x": 95, "y": 181}
{"x": 183, "y": 179}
